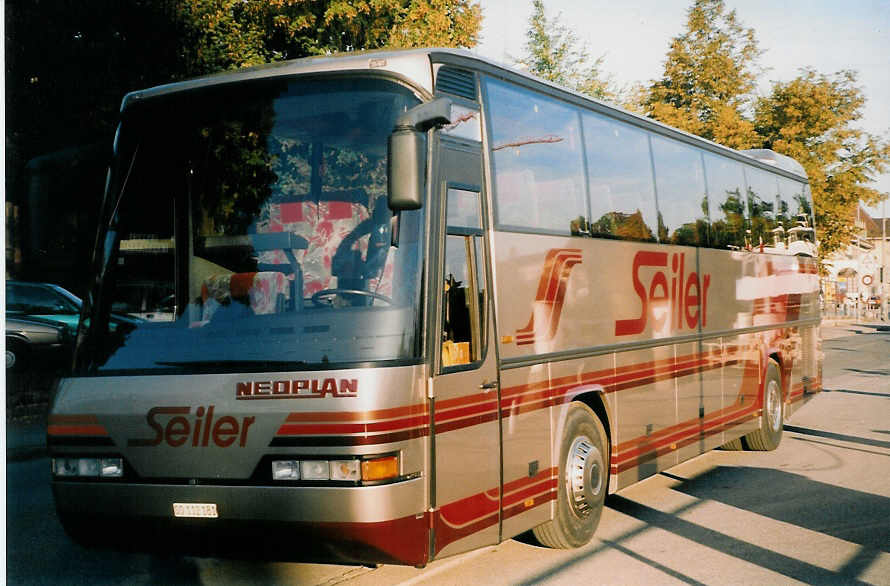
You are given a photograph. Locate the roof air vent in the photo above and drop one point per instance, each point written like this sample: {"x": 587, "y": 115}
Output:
{"x": 456, "y": 81}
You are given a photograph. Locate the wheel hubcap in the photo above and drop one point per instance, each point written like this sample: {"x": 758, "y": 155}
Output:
{"x": 10, "y": 359}
{"x": 584, "y": 475}
{"x": 773, "y": 405}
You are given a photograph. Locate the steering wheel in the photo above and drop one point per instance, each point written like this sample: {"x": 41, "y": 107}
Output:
{"x": 324, "y": 293}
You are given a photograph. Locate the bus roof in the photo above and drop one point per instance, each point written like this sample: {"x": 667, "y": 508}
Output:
{"x": 416, "y": 65}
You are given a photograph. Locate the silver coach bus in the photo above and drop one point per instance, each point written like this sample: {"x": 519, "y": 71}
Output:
{"x": 417, "y": 303}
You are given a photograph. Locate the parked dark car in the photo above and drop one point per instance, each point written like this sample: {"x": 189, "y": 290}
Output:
{"x": 32, "y": 338}
{"x": 41, "y": 320}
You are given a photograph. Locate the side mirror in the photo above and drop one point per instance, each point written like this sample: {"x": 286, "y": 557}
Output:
{"x": 407, "y": 165}
{"x": 407, "y": 153}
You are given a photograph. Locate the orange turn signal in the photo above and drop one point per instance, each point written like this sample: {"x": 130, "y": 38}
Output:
{"x": 380, "y": 468}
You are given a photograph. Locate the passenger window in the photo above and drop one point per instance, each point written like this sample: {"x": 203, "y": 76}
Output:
{"x": 792, "y": 203}
{"x": 726, "y": 181}
{"x": 463, "y": 281}
{"x": 762, "y": 192}
{"x": 619, "y": 179}
{"x": 537, "y": 160}
{"x": 680, "y": 192}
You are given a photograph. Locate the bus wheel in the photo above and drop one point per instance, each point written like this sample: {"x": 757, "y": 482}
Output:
{"x": 583, "y": 481}
{"x": 770, "y": 433}
{"x": 733, "y": 446}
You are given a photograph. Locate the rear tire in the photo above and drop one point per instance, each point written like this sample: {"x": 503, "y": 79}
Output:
{"x": 772, "y": 420}
{"x": 583, "y": 481}
{"x": 733, "y": 446}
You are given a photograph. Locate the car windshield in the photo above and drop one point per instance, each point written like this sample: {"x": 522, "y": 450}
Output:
{"x": 40, "y": 299}
{"x": 252, "y": 231}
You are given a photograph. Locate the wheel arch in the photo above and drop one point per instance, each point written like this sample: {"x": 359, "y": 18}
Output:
{"x": 596, "y": 399}
{"x": 784, "y": 373}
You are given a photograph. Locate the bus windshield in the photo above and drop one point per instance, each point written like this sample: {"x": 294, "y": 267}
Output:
{"x": 249, "y": 230}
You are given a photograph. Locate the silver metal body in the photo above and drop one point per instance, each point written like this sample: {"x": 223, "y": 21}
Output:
{"x": 477, "y": 438}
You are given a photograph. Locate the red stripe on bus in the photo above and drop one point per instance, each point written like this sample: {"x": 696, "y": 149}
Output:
{"x": 91, "y": 430}
{"x": 467, "y": 422}
{"x": 490, "y": 405}
{"x": 71, "y": 419}
{"x": 339, "y": 416}
{"x": 471, "y": 514}
{"x": 347, "y": 440}
{"x": 631, "y": 458}
{"x": 338, "y": 428}
{"x": 480, "y": 408}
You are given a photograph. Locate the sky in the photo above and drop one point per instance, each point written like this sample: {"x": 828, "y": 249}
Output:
{"x": 633, "y": 37}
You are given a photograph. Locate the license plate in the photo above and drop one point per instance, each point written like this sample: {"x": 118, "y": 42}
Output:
{"x": 195, "y": 510}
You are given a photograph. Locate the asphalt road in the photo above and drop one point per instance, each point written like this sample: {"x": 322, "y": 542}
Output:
{"x": 815, "y": 511}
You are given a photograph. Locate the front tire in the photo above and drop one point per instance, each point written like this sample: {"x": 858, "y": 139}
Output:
{"x": 16, "y": 355}
{"x": 768, "y": 437}
{"x": 583, "y": 481}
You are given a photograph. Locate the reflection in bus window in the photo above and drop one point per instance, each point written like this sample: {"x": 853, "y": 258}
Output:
{"x": 680, "y": 190}
{"x": 259, "y": 212}
{"x": 726, "y": 184}
{"x": 622, "y": 203}
{"x": 538, "y": 160}
{"x": 762, "y": 191}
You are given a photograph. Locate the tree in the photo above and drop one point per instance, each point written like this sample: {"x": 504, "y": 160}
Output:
{"x": 552, "y": 51}
{"x": 92, "y": 53}
{"x": 68, "y": 64}
{"x": 228, "y": 34}
{"x": 811, "y": 119}
{"x": 709, "y": 77}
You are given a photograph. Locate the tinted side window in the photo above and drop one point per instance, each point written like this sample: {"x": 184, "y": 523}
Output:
{"x": 619, "y": 179}
{"x": 792, "y": 203}
{"x": 762, "y": 190}
{"x": 537, "y": 158}
{"x": 726, "y": 186}
{"x": 680, "y": 190}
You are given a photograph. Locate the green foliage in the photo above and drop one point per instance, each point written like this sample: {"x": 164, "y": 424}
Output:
{"x": 707, "y": 89}
{"x": 552, "y": 51}
{"x": 94, "y": 52}
{"x": 226, "y": 34}
{"x": 709, "y": 77}
{"x": 811, "y": 119}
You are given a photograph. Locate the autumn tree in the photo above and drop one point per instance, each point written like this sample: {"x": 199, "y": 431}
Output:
{"x": 812, "y": 119}
{"x": 68, "y": 64}
{"x": 231, "y": 33}
{"x": 92, "y": 53}
{"x": 709, "y": 77}
{"x": 552, "y": 51}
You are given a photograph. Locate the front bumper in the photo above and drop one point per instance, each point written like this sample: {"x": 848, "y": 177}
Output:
{"x": 378, "y": 524}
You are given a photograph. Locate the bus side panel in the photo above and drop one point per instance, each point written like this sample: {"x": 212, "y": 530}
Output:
{"x": 530, "y": 470}
{"x": 734, "y": 295}
{"x": 742, "y": 376}
{"x": 699, "y": 393}
{"x": 646, "y": 385}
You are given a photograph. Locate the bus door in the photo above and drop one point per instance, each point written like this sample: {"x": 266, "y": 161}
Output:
{"x": 467, "y": 473}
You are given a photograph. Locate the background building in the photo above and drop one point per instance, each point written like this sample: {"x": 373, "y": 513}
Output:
{"x": 857, "y": 278}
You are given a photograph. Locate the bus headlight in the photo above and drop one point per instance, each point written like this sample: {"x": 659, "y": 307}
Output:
{"x": 88, "y": 467}
{"x": 315, "y": 470}
{"x": 111, "y": 467}
{"x": 351, "y": 470}
{"x": 345, "y": 470}
{"x": 285, "y": 469}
